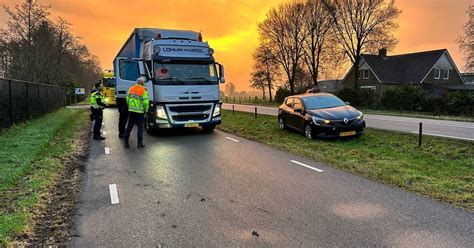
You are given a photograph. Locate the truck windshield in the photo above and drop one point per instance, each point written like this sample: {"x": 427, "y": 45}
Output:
{"x": 109, "y": 82}
{"x": 188, "y": 74}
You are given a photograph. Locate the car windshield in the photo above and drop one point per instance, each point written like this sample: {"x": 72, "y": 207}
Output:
{"x": 109, "y": 82}
{"x": 322, "y": 102}
{"x": 189, "y": 74}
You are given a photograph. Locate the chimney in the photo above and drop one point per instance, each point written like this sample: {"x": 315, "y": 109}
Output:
{"x": 383, "y": 52}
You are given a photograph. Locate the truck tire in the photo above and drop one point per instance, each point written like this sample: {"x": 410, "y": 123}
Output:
{"x": 209, "y": 129}
{"x": 149, "y": 130}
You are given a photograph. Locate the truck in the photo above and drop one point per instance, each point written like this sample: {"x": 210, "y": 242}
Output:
{"x": 182, "y": 77}
{"x": 108, "y": 81}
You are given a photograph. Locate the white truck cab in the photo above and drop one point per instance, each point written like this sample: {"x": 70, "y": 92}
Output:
{"x": 182, "y": 77}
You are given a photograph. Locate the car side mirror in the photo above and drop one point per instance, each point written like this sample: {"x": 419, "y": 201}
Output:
{"x": 347, "y": 103}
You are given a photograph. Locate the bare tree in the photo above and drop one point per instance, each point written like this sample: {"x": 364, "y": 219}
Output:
{"x": 363, "y": 26}
{"x": 266, "y": 61}
{"x": 466, "y": 41}
{"x": 35, "y": 48}
{"x": 230, "y": 89}
{"x": 282, "y": 31}
{"x": 317, "y": 24}
{"x": 257, "y": 80}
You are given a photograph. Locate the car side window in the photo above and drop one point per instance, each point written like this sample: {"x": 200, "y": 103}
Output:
{"x": 297, "y": 104}
{"x": 289, "y": 102}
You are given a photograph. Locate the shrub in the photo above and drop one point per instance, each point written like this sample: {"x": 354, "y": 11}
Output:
{"x": 403, "y": 98}
{"x": 461, "y": 103}
{"x": 281, "y": 94}
{"x": 359, "y": 97}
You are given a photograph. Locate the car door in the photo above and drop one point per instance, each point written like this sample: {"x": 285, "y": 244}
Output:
{"x": 287, "y": 110}
{"x": 298, "y": 116}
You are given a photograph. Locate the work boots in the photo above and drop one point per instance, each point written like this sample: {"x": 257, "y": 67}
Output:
{"x": 126, "y": 144}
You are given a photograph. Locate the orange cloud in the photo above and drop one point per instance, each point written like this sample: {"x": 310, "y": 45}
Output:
{"x": 231, "y": 26}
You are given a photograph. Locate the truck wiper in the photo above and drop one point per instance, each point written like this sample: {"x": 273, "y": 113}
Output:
{"x": 174, "y": 79}
{"x": 201, "y": 78}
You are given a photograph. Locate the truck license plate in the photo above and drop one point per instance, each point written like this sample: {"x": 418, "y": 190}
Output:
{"x": 191, "y": 125}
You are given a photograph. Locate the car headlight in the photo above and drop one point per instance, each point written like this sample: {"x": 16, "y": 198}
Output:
{"x": 217, "y": 110}
{"x": 160, "y": 113}
{"x": 360, "y": 116}
{"x": 318, "y": 121}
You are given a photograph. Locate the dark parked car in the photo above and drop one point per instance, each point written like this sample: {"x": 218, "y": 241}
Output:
{"x": 320, "y": 115}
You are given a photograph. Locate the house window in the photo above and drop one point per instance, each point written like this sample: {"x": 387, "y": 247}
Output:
{"x": 368, "y": 87}
{"x": 364, "y": 74}
{"x": 445, "y": 74}
{"x": 437, "y": 73}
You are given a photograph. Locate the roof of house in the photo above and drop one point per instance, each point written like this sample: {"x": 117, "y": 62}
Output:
{"x": 404, "y": 68}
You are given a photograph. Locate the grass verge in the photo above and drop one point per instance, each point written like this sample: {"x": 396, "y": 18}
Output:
{"x": 413, "y": 114}
{"x": 442, "y": 169}
{"x": 31, "y": 160}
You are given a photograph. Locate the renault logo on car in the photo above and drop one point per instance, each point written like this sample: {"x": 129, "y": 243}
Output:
{"x": 346, "y": 120}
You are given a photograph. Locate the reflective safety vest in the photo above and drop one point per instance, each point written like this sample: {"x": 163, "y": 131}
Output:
{"x": 137, "y": 99}
{"x": 94, "y": 96}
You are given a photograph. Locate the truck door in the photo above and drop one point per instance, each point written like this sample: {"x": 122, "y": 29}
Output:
{"x": 126, "y": 73}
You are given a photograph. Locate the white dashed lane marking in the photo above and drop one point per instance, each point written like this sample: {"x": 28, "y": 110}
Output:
{"x": 229, "y": 138}
{"x": 113, "y": 194}
{"x": 107, "y": 150}
{"x": 306, "y": 166}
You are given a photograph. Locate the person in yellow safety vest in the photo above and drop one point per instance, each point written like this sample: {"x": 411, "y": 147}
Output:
{"x": 138, "y": 104}
{"x": 97, "y": 106}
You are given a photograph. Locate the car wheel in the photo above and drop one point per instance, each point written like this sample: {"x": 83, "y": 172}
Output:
{"x": 281, "y": 123}
{"x": 308, "y": 131}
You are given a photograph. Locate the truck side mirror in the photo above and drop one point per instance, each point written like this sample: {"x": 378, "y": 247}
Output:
{"x": 144, "y": 72}
{"x": 221, "y": 73}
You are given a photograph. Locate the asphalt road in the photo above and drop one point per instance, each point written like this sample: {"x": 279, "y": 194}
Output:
{"x": 192, "y": 189}
{"x": 440, "y": 128}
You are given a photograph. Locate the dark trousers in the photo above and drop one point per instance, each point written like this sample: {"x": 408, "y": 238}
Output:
{"x": 97, "y": 114}
{"x": 123, "y": 115}
{"x": 135, "y": 119}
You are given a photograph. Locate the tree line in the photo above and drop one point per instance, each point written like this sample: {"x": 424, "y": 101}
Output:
{"x": 36, "y": 48}
{"x": 302, "y": 40}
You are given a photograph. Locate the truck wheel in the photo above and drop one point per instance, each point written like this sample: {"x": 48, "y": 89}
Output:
{"x": 209, "y": 129}
{"x": 149, "y": 130}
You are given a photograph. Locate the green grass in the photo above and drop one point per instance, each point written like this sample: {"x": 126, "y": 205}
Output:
{"x": 442, "y": 169}
{"x": 31, "y": 158}
{"x": 414, "y": 114}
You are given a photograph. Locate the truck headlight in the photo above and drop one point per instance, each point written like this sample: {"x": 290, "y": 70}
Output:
{"x": 217, "y": 110}
{"x": 318, "y": 121}
{"x": 160, "y": 113}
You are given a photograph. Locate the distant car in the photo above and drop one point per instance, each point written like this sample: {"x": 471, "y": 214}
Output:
{"x": 320, "y": 115}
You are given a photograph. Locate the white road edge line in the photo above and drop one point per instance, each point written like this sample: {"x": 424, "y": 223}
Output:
{"x": 445, "y": 136}
{"x": 229, "y": 138}
{"x": 104, "y": 133}
{"x": 107, "y": 150}
{"x": 307, "y": 166}
{"x": 113, "y": 194}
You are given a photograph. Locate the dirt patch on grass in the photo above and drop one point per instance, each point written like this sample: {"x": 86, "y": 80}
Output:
{"x": 52, "y": 220}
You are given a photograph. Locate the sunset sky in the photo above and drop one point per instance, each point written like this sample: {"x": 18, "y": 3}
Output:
{"x": 230, "y": 26}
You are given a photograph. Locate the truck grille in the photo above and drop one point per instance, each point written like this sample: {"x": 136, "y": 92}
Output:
{"x": 190, "y": 117}
{"x": 190, "y": 108}
{"x": 183, "y": 113}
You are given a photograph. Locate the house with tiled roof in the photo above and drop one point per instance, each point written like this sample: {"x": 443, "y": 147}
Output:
{"x": 434, "y": 71}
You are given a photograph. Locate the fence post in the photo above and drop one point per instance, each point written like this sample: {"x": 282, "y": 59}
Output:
{"x": 255, "y": 112}
{"x": 420, "y": 134}
{"x": 233, "y": 109}
{"x": 10, "y": 102}
{"x": 27, "y": 101}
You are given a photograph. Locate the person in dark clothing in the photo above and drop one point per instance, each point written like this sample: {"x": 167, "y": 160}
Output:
{"x": 122, "y": 108}
{"x": 97, "y": 107}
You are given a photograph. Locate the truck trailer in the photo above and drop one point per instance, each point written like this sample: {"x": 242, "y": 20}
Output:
{"x": 182, "y": 77}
